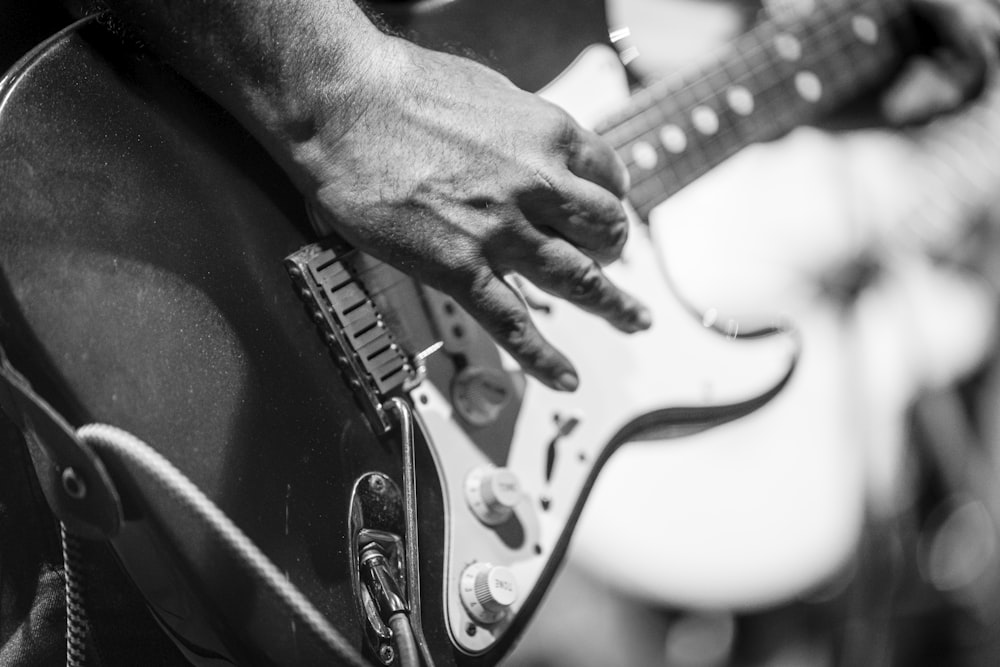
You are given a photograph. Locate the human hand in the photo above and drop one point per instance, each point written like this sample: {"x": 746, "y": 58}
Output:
{"x": 964, "y": 35}
{"x": 450, "y": 173}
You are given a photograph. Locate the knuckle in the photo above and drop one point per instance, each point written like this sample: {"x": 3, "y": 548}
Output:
{"x": 611, "y": 239}
{"x": 617, "y": 237}
{"x": 615, "y": 224}
{"x": 559, "y": 123}
{"x": 587, "y": 283}
{"x": 543, "y": 184}
{"x": 515, "y": 330}
{"x": 603, "y": 225}
{"x": 564, "y": 132}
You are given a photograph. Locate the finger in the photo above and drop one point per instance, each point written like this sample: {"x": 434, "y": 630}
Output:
{"x": 503, "y": 314}
{"x": 582, "y": 212}
{"x": 562, "y": 270}
{"x": 593, "y": 159}
{"x": 922, "y": 91}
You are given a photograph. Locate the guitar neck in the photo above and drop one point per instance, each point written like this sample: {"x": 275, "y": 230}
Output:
{"x": 773, "y": 78}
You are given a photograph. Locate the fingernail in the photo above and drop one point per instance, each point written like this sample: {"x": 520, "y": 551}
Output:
{"x": 567, "y": 382}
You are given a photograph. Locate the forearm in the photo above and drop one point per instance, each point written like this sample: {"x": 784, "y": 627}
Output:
{"x": 282, "y": 67}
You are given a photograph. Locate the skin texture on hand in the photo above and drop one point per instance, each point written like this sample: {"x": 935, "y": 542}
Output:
{"x": 475, "y": 179}
{"x": 428, "y": 161}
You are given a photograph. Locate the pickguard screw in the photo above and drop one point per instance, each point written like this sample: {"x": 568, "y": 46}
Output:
{"x": 377, "y": 484}
{"x": 386, "y": 654}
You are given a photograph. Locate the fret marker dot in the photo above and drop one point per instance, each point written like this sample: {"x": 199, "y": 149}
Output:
{"x": 808, "y": 86}
{"x": 789, "y": 48}
{"x": 865, "y": 28}
{"x": 740, "y": 100}
{"x": 705, "y": 120}
{"x": 644, "y": 155}
{"x": 673, "y": 139}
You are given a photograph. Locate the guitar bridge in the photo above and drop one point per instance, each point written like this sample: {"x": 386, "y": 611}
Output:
{"x": 375, "y": 366}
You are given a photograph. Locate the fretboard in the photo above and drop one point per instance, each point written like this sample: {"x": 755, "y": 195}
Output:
{"x": 773, "y": 78}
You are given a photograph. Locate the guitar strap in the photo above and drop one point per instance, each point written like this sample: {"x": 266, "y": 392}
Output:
{"x": 74, "y": 481}
{"x": 82, "y": 495}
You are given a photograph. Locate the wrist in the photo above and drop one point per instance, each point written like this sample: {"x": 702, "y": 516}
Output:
{"x": 306, "y": 115}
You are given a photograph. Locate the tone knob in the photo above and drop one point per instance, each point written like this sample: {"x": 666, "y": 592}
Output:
{"x": 487, "y": 591}
{"x": 492, "y": 494}
{"x": 479, "y": 394}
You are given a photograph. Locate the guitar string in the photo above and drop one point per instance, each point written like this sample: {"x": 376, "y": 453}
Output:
{"x": 846, "y": 67}
{"x": 651, "y": 98}
{"x": 759, "y": 66}
{"x": 699, "y": 155}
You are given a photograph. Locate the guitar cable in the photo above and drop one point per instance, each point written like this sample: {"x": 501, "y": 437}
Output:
{"x": 407, "y": 652}
{"x": 112, "y": 441}
{"x": 388, "y": 598}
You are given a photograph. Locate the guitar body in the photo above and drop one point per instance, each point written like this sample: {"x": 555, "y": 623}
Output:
{"x": 161, "y": 228}
{"x": 141, "y": 243}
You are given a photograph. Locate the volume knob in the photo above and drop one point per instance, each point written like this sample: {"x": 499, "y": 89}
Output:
{"x": 492, "y": 494}
{"x": 487, "y": 591}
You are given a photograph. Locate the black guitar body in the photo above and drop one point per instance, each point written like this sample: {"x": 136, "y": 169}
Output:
{"x": 141, "y": 245}
{"x": 141, "y": 239}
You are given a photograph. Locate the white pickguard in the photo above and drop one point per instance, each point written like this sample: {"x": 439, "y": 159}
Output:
{"x": 678, "y": 362}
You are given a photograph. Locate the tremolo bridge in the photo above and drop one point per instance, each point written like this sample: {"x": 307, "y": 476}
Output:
{"x": 339, "y": 287}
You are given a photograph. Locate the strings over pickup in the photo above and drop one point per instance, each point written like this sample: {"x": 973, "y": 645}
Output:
{"x": 332, "y": 282}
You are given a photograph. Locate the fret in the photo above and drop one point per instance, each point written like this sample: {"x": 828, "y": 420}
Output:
{"x": 775, "y": 77}
{"x": 701, "y": 105}
{"x": 730, "y": 127}
{"x": 761, "y": 76}
{"x": 633, "y": 120}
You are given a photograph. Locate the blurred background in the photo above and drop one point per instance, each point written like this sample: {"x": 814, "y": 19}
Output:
{"x": 853, "y": 520}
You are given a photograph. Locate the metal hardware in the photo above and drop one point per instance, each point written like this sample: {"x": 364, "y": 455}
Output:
{"x": 376, "y": 523}
{"x": 377, "y": 633}
{"x": 373, "y": 362}
{"x": 380, "y": 514}
{"x": 73, "y": 484}
{"x": 382, "y": 581}
{"x": 420, "y": 366}
{"x": 404, "y": 414}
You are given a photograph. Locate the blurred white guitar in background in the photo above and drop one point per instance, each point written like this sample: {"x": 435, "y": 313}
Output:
{"x": 759, "y": 512}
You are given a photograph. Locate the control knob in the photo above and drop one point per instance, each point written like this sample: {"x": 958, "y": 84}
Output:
{"x": 492, "y": 494}
{"x": 487, "y": 591}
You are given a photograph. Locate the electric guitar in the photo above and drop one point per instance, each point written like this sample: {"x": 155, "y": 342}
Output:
{"x": 141, "y": 239}
{"x": 771, "y": 507}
